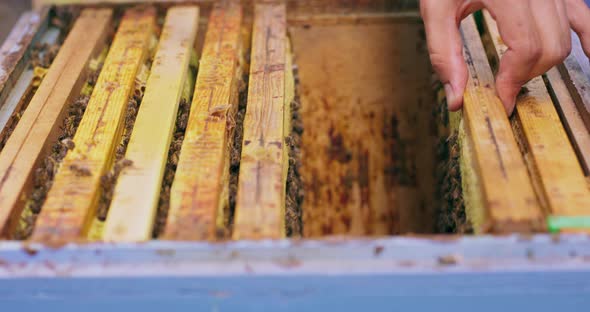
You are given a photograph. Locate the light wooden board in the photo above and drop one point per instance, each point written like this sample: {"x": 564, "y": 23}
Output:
{"x": 553, "y": 161}
{"x": 571, "y": 118}
{"x": 39, "y": 126}
{"x": 367, "y": 145}
{"x": 260, "y": 203}
{"x": 71, "y": 201}
{"x": 135, "y": 200}
{"x": 200, "y": 188}
{"x": 510, "y": 201}
{"x": 14, "y": 55}
{"x": 575, "y": 71}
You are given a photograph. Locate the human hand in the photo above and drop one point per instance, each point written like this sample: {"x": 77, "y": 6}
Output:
{"x": 536, "y": 32}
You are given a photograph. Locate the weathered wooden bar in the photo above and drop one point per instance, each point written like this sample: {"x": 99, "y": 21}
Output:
{"x": 71, "y": 201}
{"x": 39, "y": 125}
{"x": 260, "y": 203}
{"x": 132, "y": 213}
{"x": 508, "y": 200}
{"x": 576, "y": 73}
{"x": 549, "y": 155}
{"x": 571, "y": 117}
{"x": 28, "y": 80}
{"x": 15, "y": 51}
{"x": 200, "y": 192}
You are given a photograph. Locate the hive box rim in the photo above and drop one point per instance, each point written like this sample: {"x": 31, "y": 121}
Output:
{"x": 399, "y": 255}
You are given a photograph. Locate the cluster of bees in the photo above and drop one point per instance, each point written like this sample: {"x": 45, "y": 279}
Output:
{"x": 451, "y": 216}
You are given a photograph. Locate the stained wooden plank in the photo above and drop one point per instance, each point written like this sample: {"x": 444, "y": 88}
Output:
{"x": 200, "y": 188}
{"x": 39, "y": 126}
{"x": 575, "y": 71}
{"x": 135, "y": 200}
{"x": 71, "y": 201}
{"x": 551, "y": 159}
{"x": 571, "y": 117}
{"x": 508, "y": 195}
{"x": 260, "y": 203}
{"x": 14, "y": 53}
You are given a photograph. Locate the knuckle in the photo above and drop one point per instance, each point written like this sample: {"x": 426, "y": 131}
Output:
{"x": 565, "y": 51}
{"x": 529, "y": 50}
{"x": 567, "y": 47}
{"x": 556, "y": 54}
{"x": 534, "y": 51}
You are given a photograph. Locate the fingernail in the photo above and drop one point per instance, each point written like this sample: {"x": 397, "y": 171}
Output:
{"x": 509, "y": 112}
{"x": 450, "y": 94}
{"x": 509, "y": 102}
{"x": 510, "y": 109}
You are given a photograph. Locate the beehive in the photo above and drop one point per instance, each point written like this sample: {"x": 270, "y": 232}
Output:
{"x": 247, "y": 137}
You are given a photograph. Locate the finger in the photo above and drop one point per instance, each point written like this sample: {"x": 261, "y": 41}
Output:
{"x": 445, "y": 47}
{"x": 564, "y": 21}
{"x": 579, "y": 16}
{"x": 555, "y": 43}
{"x": 519, "y": 32}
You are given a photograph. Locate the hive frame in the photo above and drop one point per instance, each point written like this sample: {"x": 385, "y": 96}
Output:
{"x": 527, "y": 262}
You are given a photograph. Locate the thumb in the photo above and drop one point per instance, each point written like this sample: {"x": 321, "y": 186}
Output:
{"x": 445, "y": 47}
{"x": 579, "y": 15}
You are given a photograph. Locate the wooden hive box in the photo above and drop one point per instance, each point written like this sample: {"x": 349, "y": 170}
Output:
{"x": 279, "y": 155}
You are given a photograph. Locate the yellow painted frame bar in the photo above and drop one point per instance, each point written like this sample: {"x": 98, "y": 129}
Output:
{"x": 552, "y": 160}
{"x": 135, "y": 200}
{"x": 72, "y": 200}
{"x": 510, "y": 203}
{"x": 200, "y": 188}
{"x": 39, "y": 125}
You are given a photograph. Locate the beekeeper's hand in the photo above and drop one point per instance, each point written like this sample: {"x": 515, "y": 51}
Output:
{"x": 537, "y": 33}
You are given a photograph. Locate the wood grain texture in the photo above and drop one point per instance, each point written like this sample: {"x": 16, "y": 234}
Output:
{"x": 14, "y": 53}
{"x": 553, "y": 161}
{"x": 39, "y": 125}
{"x": 366, "y": 104}
{"x": 260, "y": 203}
{"x": 571, "y": 117}
{"x": 575, "y": 71}
{"x": 200, "y": 188}
{"x": 510, "y": 201}
{"x": 135, "y": 200}
{"x": 71, "y": 201}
